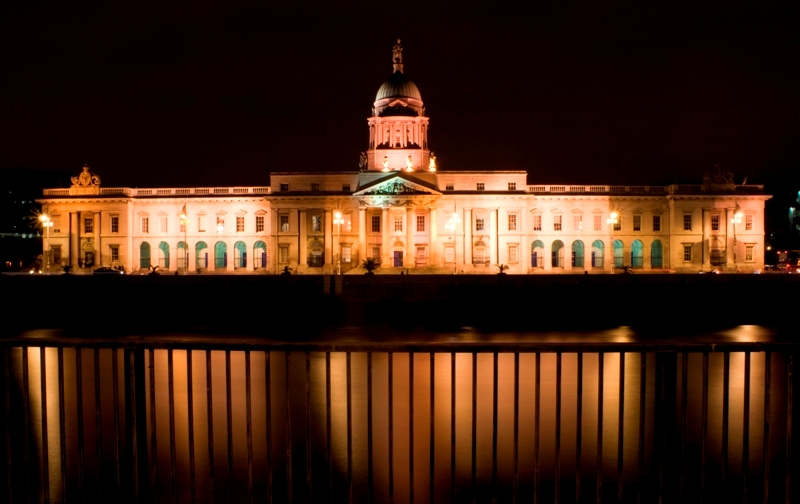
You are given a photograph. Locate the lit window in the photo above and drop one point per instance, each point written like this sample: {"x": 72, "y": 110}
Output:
{"x": 259, "y": 223}
{"x": 656, "y": 223}
{"x": 715, "y": 223}
{"x": 448, "y": 186}
{"x": 537, "y": 222}
{"x": 398, "y": 223}
{"x": 481, "y": 186}
{"x": 748, "y": 253}
{"x": 284, "y": 223}
{"x": 240, "y": 224}
{"x": 283, "y": 253}
{"x": 598, "y": 222}
{"x": 183, "y": 225}
{"x": 513, "y": 255}
{"x": 347, "y": 255}
{"x": 687, "y": 253}
{"x": 345, "y": 187}
{"x": 145, "y": 224}
{"x": 556, "y": 223}
{"x": 315, "y": 186}
{"x": 163, "y": 224}
{"x": 376, "y": 223}
{"x": 420, "y": 223}
{"x": 748, "y": 222}
{"x": 479, "y": 224}
{"x": 687, "y": 222}
{"x": 88, "y": 225}
{"x": 637, "y": 222}
{"x": 220, "y": 224}
{"x": 115, "y": 224}
{"x": 114, "y": 253}
{"x": 577, "y": 222}
{"x": 284, "y": 187}
{"x": 201, "y": 224}
{"x": 316, "y": 223}
{"x": 512, "y": 222}
{"x": 512, "y": 186}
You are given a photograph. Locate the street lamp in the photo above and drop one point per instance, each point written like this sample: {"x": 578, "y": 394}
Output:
{"x": 47, "y": 223}
{"x": 612, "y": 221}
{"x": 736, "y": 219}
{"x": 338, "y": 220}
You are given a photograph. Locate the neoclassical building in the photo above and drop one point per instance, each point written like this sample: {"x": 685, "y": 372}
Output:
{"x": 399, "y": 209}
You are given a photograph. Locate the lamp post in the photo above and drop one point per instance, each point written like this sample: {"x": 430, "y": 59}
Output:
{"x": 184, "y": 224}
{"x": 612, "y": 221}
{"x": 47, "y": 223}
{"x": 338, "y": 220}
{"x": 736, "y": 219}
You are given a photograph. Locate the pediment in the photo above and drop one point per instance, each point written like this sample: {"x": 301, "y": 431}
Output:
{"x": 397, "y": 185}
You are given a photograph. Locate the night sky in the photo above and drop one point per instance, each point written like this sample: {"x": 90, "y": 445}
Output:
{"x": 195, "y": 94}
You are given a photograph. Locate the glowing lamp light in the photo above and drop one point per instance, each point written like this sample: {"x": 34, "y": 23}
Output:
{"x": 613, "y": 218}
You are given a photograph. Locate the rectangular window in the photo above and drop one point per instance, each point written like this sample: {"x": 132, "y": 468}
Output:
{"x": 449, "y": 254}
{"x": 114, "y": 253}
{"x": 512, "y": 186}
{"x": 537, "y": 222}
{"x": 398, "y": 223}
{"x": 201, "y": 224}
{"x": 163, "y": 224}
{"x": 687, "y": 253}
{"x": 687, "y": 222}
{"x": 637, "y": 222}
{"x": 88, "y": 225}
{"x": 617, "y": 224}
{"x": 513, "y": 254}
{"x": 748, "y": 222}
{"x": 347, "y": 255}
{"x": 56, "y": 254}
{"x": 748, "y": 253}
{"x": 315, "y": 187}
{"x": 183, "y": 225}
{"x": 220, "y": 224}
{"x": 284, "y": 223}
{"x": 481, "y": 186}
{"x": 283, "y": 253}
{"x": 421, "y": 255}
{"x": 316, "y": 223}
{"x": 556, "y": 223}
{"x": 376, "y": 223}
{"x": 348, "y": 222}
{"x": 376, "y": 252}
{"x": 512, "y": 222}
{"x": 345, "y": 187}
{"x": 56, "y": 220}
{"x": 656, "y": 223}
{"x": 284, "y": 187}
{"x": 577, "y": 222}
{"x": 479, "y": 224}
{"x": 598, "y": 222}
{"x": 715, "y": 223}
{"x": 145, "y": 224}
{"x": 448, "y": 187}
{"x": 259, "y": 223}
{"x": 240, "y": 224}
{"x": 115, "y": 224}
{"x": 420, "y": 223}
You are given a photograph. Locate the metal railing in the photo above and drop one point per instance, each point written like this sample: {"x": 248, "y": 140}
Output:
{"x": 242, "y": 422}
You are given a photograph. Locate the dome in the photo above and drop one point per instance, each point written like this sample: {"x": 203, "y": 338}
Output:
{"x": 398, "y": 86}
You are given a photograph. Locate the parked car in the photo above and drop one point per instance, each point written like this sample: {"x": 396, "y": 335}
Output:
{"x": 107, "y": 271}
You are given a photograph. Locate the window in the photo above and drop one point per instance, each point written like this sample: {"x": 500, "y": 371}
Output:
{"x": 715, "y": 222}
{"x": 163, "y": 221}
{"x": 448, "y": 186}
{"x": 56, "y": 250}
{"x": 481, "y": 186}
{"x": 220, "y": 224}
{"x": 201, "y": 223}
{"x": 88, "y": 225}
{"x": 316, "y": 223}
{"x": 748, "y": 253}
{"x": 283, "y": 253}
{"x": 284, "y": 222}
{"x": 398, "y": 223}
{"x": 420, "y": 223}
{"x": 479, "y": 224}
{"x": 748, "y": 222}
{"x": 145, "y": 224}
{"x": 421, "y": 255}
{"x": 376, "y": 252}
{"x": 56, "y": 220}
{"x": 449, "y": 254}
{"x": 617, "y": 224}
{"x": 115, "y": 224}
{"x": 656, "y": 223}
{"x": 284, "y": 187}
{"x": 577, "y": 222}
{"x": 513, "y": 253}
{"x": 637, "y": 222}
{"x": 687, "y": 253}
{"x": 114, "y": 253}
{"x": 556, "y": 223}
{"x": 240, "y": 224}
{"x": 537, "y": 222}
{"x": 315, "y": 187}
{"x": 347, "y": 255}
{"x": 598, "y": 222}
{"x": 183, "y": 224}
{"x": 512, "y": 186}
{"x": 345, "y": 187}
{"x": 376, "y": 223}
{"x": 512, "y": 222}
{"x": 259, "y": 223}
{"x": 687, "y": 222}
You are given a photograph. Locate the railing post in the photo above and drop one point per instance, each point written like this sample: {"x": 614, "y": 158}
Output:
{"x": 136, "y": 424}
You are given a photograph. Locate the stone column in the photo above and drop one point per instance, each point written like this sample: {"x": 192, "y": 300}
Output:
{"x": 302, "y": 254}
{"x": 362, "y": 235}
{"x": 411, "y": 251}
{"x": 230, "y": 246}
{"x": 468, "y": 236}
{"x": 494, "y": 241}
{"x": 329, "y": 250}
{"x": 433, "y": 252}
{"x": 74, "y": 238}
{"x": 385, "y": 245}
{"x": 273, "y": 251}
{"x": 129, "y": 218}
{"x": 98, "y": 245}
{"x": 705, "y": 227}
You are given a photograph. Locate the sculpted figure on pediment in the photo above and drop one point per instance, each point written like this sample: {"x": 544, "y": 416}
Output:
{"x": 86, "y": 178}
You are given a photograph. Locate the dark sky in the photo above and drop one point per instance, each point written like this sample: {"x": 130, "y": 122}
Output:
{"x": 190, "y": 93}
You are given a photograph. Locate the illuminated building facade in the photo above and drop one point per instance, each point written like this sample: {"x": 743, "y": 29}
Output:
{"x": 398, "y": 209}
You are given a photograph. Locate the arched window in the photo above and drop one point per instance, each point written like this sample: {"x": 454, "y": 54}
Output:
{"x": 316, "y": 254}
{"x": 537, "y": 254}
{"x": 183, "y": 255}
{"x": 201, "y": 253}
{"x": 259, "y": 255}
{"x": 597, "y": 254}
{"x": 220, "y": 255}
{"x": 637, "y": 254}
{"x": 557, "y": 254}
{"x": 577, "y": 254}
{"x": 656, "y": 254}
{"x": 144, "y": 255}
{"x": 618, "y": 259}
{"x": 163, "y": 255}
{"x": 239, "y": 255}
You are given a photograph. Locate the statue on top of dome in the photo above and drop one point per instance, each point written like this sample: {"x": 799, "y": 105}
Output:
{"x": 397, "y": 52}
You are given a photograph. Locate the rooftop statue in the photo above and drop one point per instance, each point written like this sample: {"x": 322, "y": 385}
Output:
{"x": 86, "y": 178}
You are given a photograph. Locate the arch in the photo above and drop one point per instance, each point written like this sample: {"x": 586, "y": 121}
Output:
{"x": 163, "y": 255}
{"x": 220, "y": 255}
{"x": 183, "y": 255}
{"x": 144, "y": 255}
{"x": 201, "y": 255}
{"x": 537, "y": 254}
{"x": 598, "y": 248}
{"x": 577, "y": 254}
{"x": 656, "y": 254}
{"x": 637, "y": 254}
{"x": 557, "y": 254}
{"x": 618, "y": 258}
{"x": 316, "y": 254}
{"x": 259, "y": 255}
{"x": 239, "y": 255}
{"x": 718, "y": 253}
